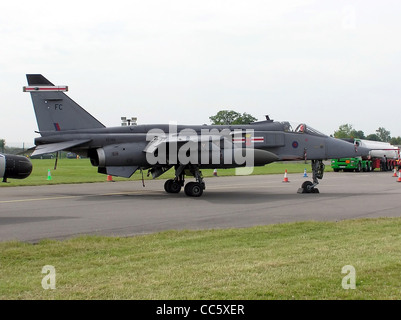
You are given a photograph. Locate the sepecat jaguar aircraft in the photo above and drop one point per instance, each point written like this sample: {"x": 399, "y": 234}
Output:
{"x": 121, "y": 151}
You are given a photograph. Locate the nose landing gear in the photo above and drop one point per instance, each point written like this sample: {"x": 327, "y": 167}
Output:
{"x": 317, "y": 170}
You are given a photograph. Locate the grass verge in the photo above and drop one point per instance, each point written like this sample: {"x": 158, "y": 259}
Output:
{"x": 285, "y": 261}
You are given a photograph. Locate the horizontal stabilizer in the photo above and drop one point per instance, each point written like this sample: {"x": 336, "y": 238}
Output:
{"x": 54, "y": 147}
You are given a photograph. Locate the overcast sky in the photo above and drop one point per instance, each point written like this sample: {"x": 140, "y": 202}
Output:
{"x": 325, "y": 63}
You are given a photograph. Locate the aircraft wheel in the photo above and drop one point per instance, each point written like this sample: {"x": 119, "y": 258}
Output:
{"x": 172, "y": 186}
{"x": 193, "y": 189}
{"x": 167, "y": 185}
{"x": 175, "y": 187}
{"x": 307, "y": 187}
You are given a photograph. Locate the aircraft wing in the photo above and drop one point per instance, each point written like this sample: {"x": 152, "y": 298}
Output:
{"x": 58, "y": 146}
{"x": 159, "y": 140}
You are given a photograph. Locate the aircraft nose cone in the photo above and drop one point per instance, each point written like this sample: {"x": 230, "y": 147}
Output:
{"x": 336, "y": 148}
{"x": 363, "y": 152}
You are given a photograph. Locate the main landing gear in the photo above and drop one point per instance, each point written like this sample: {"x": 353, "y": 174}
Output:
{"x": 317, "y": 171}
{"x": 191, "y": 189}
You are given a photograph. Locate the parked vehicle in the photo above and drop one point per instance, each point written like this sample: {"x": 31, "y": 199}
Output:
{"x": 383, "y": 156}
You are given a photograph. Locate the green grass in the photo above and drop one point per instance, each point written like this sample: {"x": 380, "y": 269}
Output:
{"x": 286, "y": 261}
{"x": 81, "y": 171}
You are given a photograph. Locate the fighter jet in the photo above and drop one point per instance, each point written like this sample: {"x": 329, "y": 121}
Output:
{"x": 121, "y": 151}
{"x": 14, "y": 167}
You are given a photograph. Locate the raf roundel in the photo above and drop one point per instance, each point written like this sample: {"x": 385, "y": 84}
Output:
{"x": 295, "y": 144}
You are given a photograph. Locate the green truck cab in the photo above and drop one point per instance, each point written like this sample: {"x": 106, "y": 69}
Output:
{"x": 351, "y": 164}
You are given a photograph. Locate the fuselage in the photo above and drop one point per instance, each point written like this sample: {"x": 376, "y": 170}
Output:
{"x": 277, "y": 138}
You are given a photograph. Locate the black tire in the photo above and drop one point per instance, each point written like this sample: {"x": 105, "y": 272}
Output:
{"x": 193, "y": 189}
{"x": 175, "y": 187}
{"x": 172, "y": 186}
{"x": 167, "y": 185}
{"x": 306, "y": 187}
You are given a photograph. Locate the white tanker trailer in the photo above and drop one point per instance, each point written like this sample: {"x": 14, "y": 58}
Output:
{"x": 379, "y": 149}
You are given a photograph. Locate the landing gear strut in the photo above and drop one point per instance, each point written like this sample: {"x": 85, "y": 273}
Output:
{"x": 317, "y": 170}
{"x": 193, "y": 188}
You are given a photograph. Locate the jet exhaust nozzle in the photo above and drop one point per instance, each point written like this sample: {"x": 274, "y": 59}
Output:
{"x": 14, "y": 167}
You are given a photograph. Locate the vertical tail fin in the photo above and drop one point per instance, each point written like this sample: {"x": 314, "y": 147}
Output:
{"x": 54, "y": 110}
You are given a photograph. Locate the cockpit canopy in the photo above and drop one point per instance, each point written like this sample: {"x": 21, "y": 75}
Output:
{"x": 301, "y": 128}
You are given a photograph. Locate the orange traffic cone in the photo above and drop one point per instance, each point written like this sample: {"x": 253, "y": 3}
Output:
{"x": 109, "y": 178}
{"x": 285, "y": 176}
{"x": 395, "y": 172}
{"x": 399, "y": 176}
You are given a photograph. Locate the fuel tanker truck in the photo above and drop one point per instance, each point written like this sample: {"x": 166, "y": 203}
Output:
{"x": 383, "y": 156}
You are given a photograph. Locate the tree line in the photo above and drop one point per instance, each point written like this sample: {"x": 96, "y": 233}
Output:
{"x": 381, "y": 134}
{"x": 9, "y": 150}
{"x": 2, "y": 145}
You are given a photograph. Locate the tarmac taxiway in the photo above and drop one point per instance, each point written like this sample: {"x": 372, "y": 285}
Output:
{"x": 127, "y": 208}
